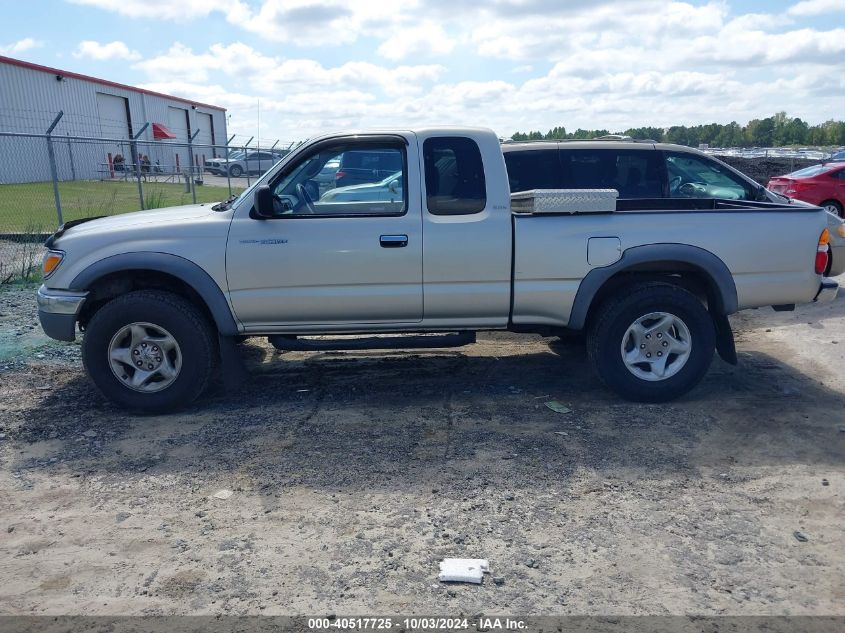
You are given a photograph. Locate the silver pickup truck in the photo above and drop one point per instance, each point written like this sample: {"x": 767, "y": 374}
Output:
{"x": 441, "y": 253}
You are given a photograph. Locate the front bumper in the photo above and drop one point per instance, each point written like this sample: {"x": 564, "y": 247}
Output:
{"x": 57, "y": 311}
{"x": 827, "y": 291}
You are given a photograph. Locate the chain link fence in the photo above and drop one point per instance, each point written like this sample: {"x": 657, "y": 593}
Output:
{"x": 48, "y": 179}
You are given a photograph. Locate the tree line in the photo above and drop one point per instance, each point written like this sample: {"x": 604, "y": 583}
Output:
{"x": 774, "y": 131}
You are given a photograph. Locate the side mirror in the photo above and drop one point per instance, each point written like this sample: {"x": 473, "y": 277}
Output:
{"x": 264, "y": 202}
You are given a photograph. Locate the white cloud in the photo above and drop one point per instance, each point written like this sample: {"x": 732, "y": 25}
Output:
{"x": 103, "y": 52}
{"x": 816, "y": 7}
{"x": 20, "y": 46}
{"x": 426, "y": 38}
{"x": 161, "y": 9}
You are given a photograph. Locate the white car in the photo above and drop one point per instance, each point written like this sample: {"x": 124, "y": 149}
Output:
{"x": 388, "y": 190}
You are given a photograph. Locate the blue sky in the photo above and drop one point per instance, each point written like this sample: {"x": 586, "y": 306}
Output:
{"x": 319, "y": 65}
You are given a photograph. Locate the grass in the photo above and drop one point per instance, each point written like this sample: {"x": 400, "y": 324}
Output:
{"x": 27, "y": 205}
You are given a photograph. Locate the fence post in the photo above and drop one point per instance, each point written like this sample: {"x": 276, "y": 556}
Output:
{"x": 192, "y": 159}
{"x": 246, "y": 160}
{"x": 228, "y": 176}
{"x": 70, "y": 155}
{"x": 53, "y": 171}
{"x": 133, "y": 148}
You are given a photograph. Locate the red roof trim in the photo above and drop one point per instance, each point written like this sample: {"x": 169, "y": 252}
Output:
{"x": 102, "y": 82}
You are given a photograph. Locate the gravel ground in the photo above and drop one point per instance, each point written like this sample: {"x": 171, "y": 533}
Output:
{"x": 351, "y": 475}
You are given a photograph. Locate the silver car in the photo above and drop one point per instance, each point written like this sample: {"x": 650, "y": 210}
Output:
{"x": 387, "y": 190}
{"x": 240, "y": 163}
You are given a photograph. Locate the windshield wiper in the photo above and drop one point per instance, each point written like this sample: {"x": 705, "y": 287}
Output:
{"x": 223, "y": 206}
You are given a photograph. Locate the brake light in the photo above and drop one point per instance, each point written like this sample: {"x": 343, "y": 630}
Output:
{"x": 823, "y": 253}
{"x": 798, "y": 187}
{"x": 339, "y": 175}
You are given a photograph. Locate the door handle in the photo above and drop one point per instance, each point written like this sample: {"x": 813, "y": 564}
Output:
{"x": 393, "y": 241}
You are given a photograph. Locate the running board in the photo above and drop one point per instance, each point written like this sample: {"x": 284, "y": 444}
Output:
{"x": 294, "y": 344}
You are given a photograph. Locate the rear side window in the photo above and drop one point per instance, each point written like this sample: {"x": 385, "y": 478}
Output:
{"x": 633, "y": 173}
{"x": 536, "y": 169}
{"x": 454, "y": 176}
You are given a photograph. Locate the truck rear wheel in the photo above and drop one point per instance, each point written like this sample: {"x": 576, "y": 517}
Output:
{"x": 652, "y": 344}
{"x": 149, "y": 350}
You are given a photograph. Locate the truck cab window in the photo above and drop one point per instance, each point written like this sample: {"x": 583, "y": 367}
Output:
{"x": 692, "y": 176}
{"x": 454, "y": 176}
{"x": 344, "y": 179}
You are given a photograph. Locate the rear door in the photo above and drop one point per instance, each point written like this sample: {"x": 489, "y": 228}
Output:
{"x": 347, "y": 263}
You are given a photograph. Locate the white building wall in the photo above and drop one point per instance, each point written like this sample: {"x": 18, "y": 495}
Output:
{"x": 30, "y": 99}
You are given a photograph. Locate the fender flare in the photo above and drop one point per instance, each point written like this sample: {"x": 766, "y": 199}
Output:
{"x": 179, "y": 267}
{"x": 720, "y": 276}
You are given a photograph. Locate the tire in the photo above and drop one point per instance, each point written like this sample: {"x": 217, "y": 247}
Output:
{"x": 132, "y": 327}
{"x": 236, "y": 171}
{"x": 614, "y": 329}
{"x": 833, "y": 206}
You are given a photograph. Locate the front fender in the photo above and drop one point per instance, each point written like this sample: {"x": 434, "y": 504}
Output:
{"x": 179, "y": 267}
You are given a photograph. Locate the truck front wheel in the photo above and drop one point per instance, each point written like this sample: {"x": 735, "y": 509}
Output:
{"x": 149, "y": 350}
{"x": 653, "y": 343}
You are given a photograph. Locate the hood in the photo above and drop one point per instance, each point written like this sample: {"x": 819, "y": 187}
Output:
{"x": 139, "y": 218}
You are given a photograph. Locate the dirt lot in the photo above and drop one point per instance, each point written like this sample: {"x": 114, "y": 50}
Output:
{"x": 353, "y": 474}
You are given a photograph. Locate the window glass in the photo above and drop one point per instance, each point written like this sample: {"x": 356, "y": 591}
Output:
{"x": 454, "y": 176}
{"x": 324, "y": 183}
{"x": 693, "y": 176}
{"x": 839, "y": 174}
{"x": 534, "y": 169}
{"x": 633, "y": 173}
{"x": 812, "y": 170}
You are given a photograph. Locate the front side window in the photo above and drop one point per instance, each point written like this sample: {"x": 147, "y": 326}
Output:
{"x": 454, "y": 176}
{"x": 320, "y": 184}
{"x": 693, "y": 176}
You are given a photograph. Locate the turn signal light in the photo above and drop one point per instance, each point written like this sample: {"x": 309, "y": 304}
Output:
{"x": 52, "y": 259}
{"x": 824, "y": 239}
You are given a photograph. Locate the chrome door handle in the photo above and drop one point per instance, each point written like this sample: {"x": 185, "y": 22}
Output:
{"x": 393, "y": 241}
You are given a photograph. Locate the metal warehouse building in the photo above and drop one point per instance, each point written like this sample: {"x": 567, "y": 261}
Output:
{"x": 32, "y": 95}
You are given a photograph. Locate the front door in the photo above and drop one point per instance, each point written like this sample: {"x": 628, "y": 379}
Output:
{"x": 337, "y": 256}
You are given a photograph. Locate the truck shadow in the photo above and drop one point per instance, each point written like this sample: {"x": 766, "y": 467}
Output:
{"x": 367, "y": 422}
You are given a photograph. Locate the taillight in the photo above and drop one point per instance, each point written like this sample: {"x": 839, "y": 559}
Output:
{"x": 823, "y": 253}
{"x": 339, "y": 175}
{"x": 798, "y": 187}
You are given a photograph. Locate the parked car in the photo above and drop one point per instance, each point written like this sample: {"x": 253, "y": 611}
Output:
{"x": 387, "y": 190}
{"x": 646, "y": 170}
{"x": 838, "y": 156}
{"x": 250, "y": 162}
{"x": 364, "y": 166}
{"x": 650, "y": 281}
{"x": 822, "y": 185}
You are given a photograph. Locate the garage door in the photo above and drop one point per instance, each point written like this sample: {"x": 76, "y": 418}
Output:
{"x": 113, "y": 120}
{"x": 177, "y": 122}
{"x": 91, "y": 161}
{"x": 205, "y": 136}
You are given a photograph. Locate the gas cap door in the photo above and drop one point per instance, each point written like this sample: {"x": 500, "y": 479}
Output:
{"x": 603, "y": 251}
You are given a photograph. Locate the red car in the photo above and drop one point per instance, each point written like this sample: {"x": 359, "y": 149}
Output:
{"x": 822, "y": 185}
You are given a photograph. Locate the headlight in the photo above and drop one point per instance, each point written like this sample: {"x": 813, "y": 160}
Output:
{"x": 51, "y": 262}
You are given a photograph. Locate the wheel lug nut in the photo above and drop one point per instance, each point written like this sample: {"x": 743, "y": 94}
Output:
{"x": 665, "y": 344}
{"x": 648, "y": 335}
{"x": 139, "y": 363}
{"x": 158, "y": 359}
{"x": 136, "y": 352}
{"x": 143, "y": 345}
{"x": 660, "y": 353}
{"x": 648, "y": 355}
{"x": 659, "y": 336}
{"x": 150, "y": 366}
{"x": 642, "y": 346}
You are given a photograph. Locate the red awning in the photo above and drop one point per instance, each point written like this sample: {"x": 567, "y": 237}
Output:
{"x": 160, "y": 132}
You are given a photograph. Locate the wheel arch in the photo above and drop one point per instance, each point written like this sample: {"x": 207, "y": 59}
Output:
{"x": 688, "y": 266}
{"x": 119, "y": 273}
